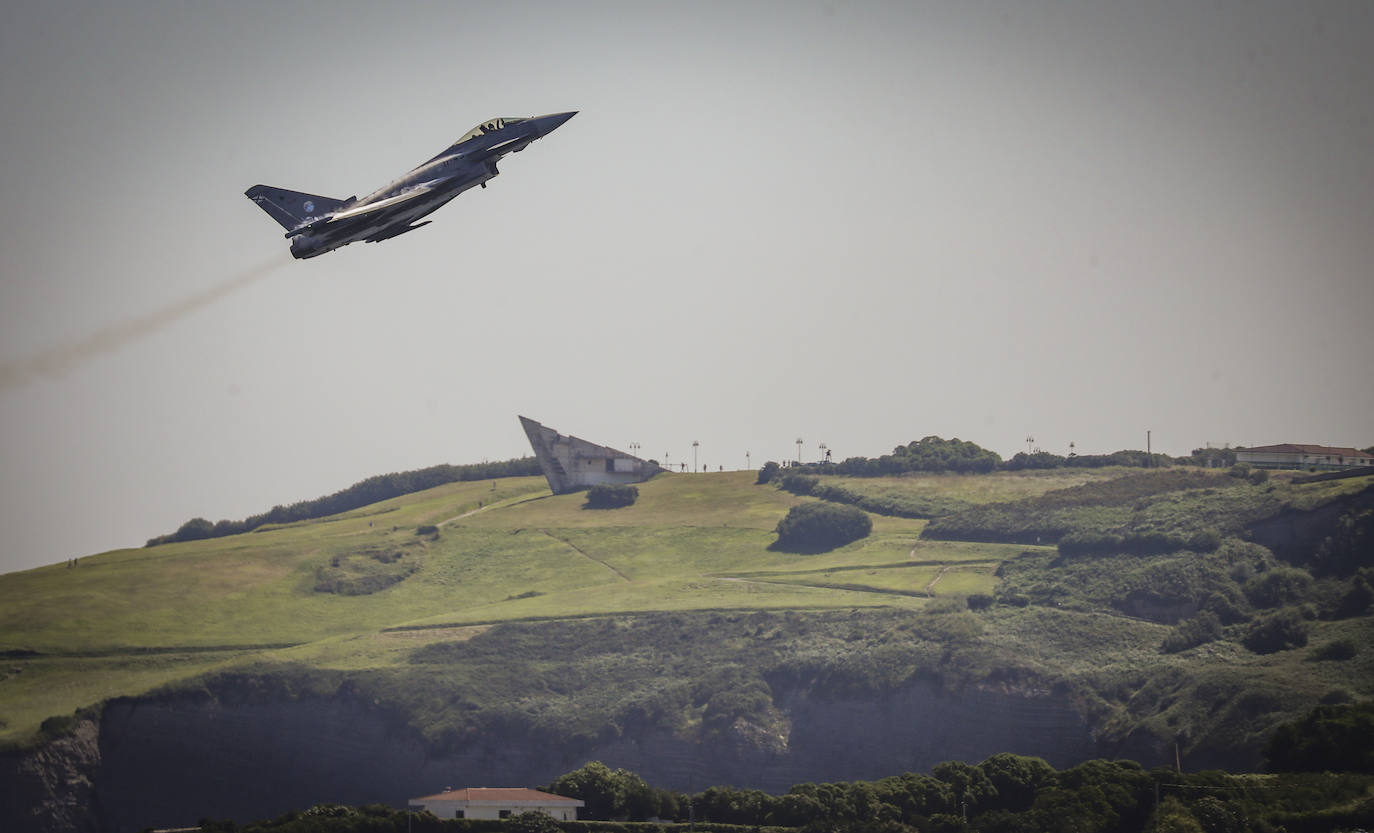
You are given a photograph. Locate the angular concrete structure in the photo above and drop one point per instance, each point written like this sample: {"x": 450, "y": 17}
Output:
{"x": 570, "y": 463}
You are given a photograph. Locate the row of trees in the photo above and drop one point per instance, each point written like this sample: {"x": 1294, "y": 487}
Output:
{"x": 362, "y": 493}
{"x": 934, "y": 454}
{"x": 1005, "y": 793}
{"x": 1009, "y": 793}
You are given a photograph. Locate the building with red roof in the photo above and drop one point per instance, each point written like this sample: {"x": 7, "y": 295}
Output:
{"x": 497, "y": 803}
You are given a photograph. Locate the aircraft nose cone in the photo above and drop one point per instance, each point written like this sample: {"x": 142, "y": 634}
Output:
{"x": 551, "y": 122}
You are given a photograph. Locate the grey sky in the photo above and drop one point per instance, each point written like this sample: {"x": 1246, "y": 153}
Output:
{"x": 855, "y": 223}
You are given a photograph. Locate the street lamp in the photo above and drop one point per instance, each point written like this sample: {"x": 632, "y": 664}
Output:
{"x": 694, "y": 455}
{"x": 748, "y": 464}
{"x": 634, "y": 449}
{"x": 799, "y": 445}
{"x": 824, "y": 453}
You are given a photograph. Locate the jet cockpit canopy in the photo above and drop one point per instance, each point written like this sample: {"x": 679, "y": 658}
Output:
{"x": 488, "y": 126}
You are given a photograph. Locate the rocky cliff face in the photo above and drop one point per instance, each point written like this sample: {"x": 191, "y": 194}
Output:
{"x": 52, "y": 789}
{"x": 172, "y": 761}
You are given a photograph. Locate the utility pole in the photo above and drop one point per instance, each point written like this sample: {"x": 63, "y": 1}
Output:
{"x": 1149, "y": 456}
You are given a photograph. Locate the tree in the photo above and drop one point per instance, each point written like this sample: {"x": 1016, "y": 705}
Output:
{"x": 596, "y": 785}
{"x": 971, "y": 786}
{"x": 1016, "y": 779}
{"x": 194, "y": 530}
{"x": 608, "y": 794}
{"x": 768, "y": 472}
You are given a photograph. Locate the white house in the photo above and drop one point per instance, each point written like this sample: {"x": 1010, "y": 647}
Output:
{"x": 1292, "y": 456}
{"x": 497, "y": 803}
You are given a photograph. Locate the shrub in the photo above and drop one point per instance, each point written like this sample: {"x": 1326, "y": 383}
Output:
{"x": 799, "y": 484}
{"x": 980, "y": 601}
{"x": 427, "y": 529}
{"x": 611, "y": 496}
{"x": 1090, "y": 543}
{"x": 1337, "y": 650}
{"x": 1279, "y": 586}
{"x": 1225, "y": 609}
{"x": 1206, "y": 540}
{"x": 1202, "y": 628}
{"x": 817, "y": 527}
{"x": 533, "y": 821}
{"x": 1356, "y": 600}
{"x": 1277, "y": 632}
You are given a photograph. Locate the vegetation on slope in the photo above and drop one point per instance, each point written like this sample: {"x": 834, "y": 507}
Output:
{"x": 1001, "y": 793}
{"x": 373, "y": 489}
{"x": 518, "y": 608}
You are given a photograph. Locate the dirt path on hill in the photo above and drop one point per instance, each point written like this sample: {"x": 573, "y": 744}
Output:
{"x": 498, "y": 504}
{"x": 582, "y": 553}
{"x": 930, "y": 588}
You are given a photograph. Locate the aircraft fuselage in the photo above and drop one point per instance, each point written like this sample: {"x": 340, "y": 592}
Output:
{"x": 316, "y": 224}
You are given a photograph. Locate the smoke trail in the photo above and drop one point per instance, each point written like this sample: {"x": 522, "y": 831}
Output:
{"x": 65, "y": 357}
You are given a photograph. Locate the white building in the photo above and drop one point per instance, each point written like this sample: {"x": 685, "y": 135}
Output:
{"x": 1291, "y": 456}
{"x": 497, "y": 803}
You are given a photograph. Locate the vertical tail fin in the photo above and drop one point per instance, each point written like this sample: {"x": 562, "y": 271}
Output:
{"x": 291, "y": 208}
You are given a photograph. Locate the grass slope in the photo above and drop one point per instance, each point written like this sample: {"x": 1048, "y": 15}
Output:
{"x": 127, "y": 621}
{"x": 471, "y": 604}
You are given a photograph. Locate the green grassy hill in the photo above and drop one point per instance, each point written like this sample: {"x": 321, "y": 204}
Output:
{"x": 675, "y": 613}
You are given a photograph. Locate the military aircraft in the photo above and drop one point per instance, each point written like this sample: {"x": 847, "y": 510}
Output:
{"x": 316, "y": 224}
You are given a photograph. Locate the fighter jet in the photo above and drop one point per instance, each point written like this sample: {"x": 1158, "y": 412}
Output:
{"x": 316, "y": 224}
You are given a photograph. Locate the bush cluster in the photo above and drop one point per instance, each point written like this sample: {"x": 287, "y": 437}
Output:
{"x": 1138, "y": 542}
{"x": 611, "y": 496}
{"x": 817, "y": 527}
{"x": 1335, "y": 738}
{"x": 1190, "y": 633}
{"x": 1276, "y": 632}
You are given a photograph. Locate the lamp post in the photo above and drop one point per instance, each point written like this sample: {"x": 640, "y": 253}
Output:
{"x": 634, "y": 449}
{"x": 824, "y": 454}
{"x": 748, "y": 463}
{"x": 694, "y": 455}
{"x": 799, "y": 445}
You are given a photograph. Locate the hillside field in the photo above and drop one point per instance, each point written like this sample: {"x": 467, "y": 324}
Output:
{"x": 444, "y": 605}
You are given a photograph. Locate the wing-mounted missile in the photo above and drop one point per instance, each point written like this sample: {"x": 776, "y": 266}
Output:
{"x": 395, "y": 231}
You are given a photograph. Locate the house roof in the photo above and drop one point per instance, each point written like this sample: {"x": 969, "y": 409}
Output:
{"x": 1295, "y": 448}
{"x": 503, "y": 795}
